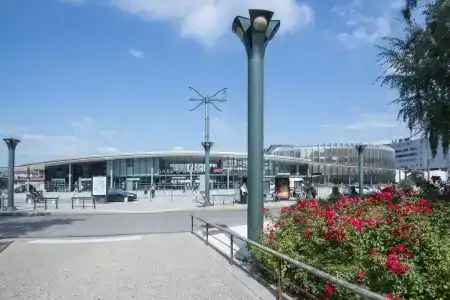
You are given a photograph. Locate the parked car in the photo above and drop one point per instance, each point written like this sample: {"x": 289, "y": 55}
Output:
{"x": 367, "y": 191}
{"x": 118, "y": 195}
{"x": 23, "y": 188}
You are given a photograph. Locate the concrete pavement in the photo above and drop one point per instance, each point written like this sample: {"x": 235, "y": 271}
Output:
{"x": 162, "y": 203}
{"x": 170, "y": 266}
{"x": 111, "y": 225}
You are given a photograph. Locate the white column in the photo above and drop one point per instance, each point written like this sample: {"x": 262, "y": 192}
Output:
{"x": 111, "y": 178}
{"x": 28, "y": 179}
{"x": 151, "y": 176}
{"x": 70, "y": 177}
{"x": 228, "y": 179}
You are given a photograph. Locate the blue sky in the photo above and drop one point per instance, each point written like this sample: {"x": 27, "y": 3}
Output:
{"x": 104, "y": 76}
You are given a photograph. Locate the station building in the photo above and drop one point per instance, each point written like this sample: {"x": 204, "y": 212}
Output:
{"x": 173, "y": 169}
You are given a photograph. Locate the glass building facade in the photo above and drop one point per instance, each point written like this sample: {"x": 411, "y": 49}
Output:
{"x": 325, "y": 164}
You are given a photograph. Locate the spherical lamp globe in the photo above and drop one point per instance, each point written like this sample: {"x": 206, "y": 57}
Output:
{"x": 260, "y": 23}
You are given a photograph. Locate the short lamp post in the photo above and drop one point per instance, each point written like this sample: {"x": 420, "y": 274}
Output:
{"x": 12, "y": 144}
{"x": 360, "y": 150}
{"x": 255, "y": 33}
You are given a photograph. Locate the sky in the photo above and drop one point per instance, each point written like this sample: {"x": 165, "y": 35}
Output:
{"x": 94, "y": 77}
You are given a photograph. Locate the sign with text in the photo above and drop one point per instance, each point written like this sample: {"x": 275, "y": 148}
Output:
{"x": 99, "y": 186}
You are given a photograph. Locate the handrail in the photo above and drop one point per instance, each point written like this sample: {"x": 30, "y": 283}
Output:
{"x": 316, "y": 272}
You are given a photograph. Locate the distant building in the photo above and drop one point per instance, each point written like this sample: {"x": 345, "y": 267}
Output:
{"x": 415, "y": 154}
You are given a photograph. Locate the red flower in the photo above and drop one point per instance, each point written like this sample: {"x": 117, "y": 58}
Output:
{"x": 330, "y": 289}
{"x": 361, "y": 274}
{"x": 276, "y": 225}
{"x": 401, "y": 249}
{"x": 373, "y": 252}
{"x": 394, "y": 266}
{"x": 389, "y": 221}
{"x": 390, "y": 296}
{"x": 308, "y": 233}
{"x": 359, "y": 212}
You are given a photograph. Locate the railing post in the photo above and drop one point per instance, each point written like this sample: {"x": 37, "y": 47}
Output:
{"x": 72, "y": 202}
{"x": 231, "y": 249}
{"x": 192, "y": 224}
{"x": 45, "y": 204}
{"x": 83, "y": 202}
{"x": 207, "y": 233}
{"x": 57, "y": 200}
{"x": 280, "y": 285}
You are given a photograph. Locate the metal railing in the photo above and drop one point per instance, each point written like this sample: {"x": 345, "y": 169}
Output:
{"x": 366, "y": 294}
{"x": 76, "y": 201}
{"x": 37, "y": 202}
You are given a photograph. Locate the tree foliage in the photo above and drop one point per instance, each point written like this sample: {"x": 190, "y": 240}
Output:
{"x": 418, "y": 67}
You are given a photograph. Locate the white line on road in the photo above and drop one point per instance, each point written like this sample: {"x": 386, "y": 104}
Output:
{"x": 81, "y": 241}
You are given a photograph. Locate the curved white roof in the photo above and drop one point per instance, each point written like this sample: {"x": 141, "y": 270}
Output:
{"x": 169, "y": 153}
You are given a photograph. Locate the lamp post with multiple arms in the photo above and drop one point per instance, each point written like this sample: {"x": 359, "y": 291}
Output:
{"x": 360, "y": 150}
{"x": 206, "y": 101}
{"x": 255, "y": 33}
{"x": 12, "y": 144}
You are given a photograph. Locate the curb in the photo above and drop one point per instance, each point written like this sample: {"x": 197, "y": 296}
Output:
{"x": 101, "y": 212}
{"x": 19, "y": 213}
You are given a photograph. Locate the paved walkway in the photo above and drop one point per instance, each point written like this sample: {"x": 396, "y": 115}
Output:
{"x": 162, "y": 203}
{"x": 171, "y": 266}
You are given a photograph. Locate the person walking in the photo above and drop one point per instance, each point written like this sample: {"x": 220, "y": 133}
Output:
{"x": 153, "y": 189}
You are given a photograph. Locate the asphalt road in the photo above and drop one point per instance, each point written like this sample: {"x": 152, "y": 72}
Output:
{"x": 110, "y": 225}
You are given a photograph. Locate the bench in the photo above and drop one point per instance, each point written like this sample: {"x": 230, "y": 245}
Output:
{"x": 44, "y": 200}
{"x": 224, "y": 197}
{"x": 83, "y": 200}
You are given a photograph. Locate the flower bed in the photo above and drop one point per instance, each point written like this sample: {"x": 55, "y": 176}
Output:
{"x": 391, "y": 243}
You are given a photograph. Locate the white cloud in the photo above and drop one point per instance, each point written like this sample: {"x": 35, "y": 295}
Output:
{"x": 362, "y": 28}
{"x": 368, "y": 122}
{"x": 136, "y": 53}
{"x": 208, "y": 20}
{"x": 83, "y": 123}
{"x": 107, "y": 150}
{"x": 84, "y": 137}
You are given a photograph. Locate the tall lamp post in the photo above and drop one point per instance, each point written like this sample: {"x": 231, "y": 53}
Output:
{"x": 255, "y": 33}
{"x": 12, "y": 144}
{"x": 360, "y": 150}
{"x": 207, "y": 144}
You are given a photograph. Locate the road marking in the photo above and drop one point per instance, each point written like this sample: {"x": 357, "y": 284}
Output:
{"x": 83, "y": 241}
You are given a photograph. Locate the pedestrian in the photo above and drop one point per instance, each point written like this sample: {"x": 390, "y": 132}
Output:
{"x": 153, "y": 190}
{"x": 146, "y": 191}
{"x": 244, "y": 193}
{"x": 335, "y": 194}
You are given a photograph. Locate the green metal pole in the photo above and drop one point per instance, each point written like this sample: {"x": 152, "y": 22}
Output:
{"x": 207, "y": 146}
{"x": 360, "y": 149}
{"x": 255, "y": 172}
{"x": 12, "y": 144}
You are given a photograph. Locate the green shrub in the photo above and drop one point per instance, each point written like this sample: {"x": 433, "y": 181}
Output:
{"x": 391, "y": 244}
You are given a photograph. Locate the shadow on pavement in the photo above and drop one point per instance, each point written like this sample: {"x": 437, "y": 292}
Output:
{"x": 13, "y": 227}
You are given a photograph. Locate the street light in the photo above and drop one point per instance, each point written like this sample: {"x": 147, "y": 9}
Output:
{"x": 207, "y": 144}
{"x": 360, "y": 149}
{"x": 12, "y": 144}
{"x": 255, "y": 33}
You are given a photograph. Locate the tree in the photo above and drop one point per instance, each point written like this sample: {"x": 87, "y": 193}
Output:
{"x": 418, "y": 67}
